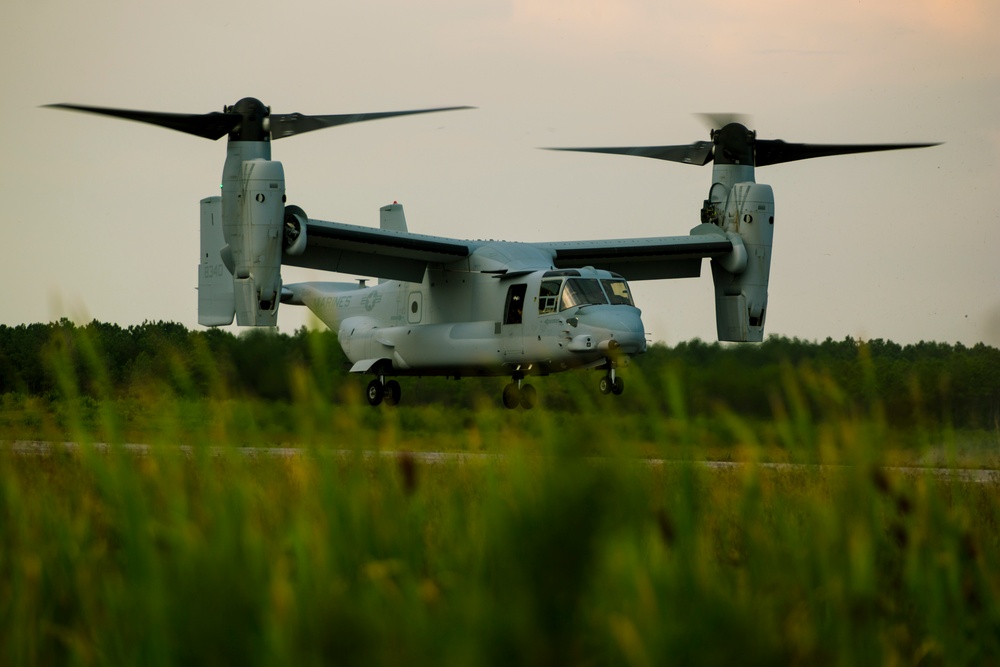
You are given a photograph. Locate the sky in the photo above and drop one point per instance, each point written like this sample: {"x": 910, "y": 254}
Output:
{"x": 100, "y": 216}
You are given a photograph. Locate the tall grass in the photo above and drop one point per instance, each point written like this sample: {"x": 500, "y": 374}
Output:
{"x": 568, "y": 549}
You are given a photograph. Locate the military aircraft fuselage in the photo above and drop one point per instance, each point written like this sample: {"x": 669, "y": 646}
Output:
{"x": 475, "y": 318}
{"x": 458, "y": 307}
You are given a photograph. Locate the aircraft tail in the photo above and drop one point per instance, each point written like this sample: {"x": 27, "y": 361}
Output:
{"x": 391, "y": 217}
{"x": 216, "y": 297}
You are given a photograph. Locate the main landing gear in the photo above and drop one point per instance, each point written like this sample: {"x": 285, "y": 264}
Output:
{"x": 516, "y": 394}
{"x": 379, "y": 390}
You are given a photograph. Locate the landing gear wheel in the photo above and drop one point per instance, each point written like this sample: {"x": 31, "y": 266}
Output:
{"x": 618, "y": 386}
{"x": 375, "y": 392}
{"x": 529, "y": 397}
{"x": 511, "y": 396}
{"x": 392, "y": 392}
{"x": 605, "y": 385}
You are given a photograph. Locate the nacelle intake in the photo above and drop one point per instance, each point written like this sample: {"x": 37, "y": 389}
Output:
{"x": 295, "y": 230}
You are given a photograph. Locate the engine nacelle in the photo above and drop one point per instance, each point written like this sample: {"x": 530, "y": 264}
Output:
{"x": 254, "y": 235}
{"x": 295, "y": 230}
{"x": 741, "y": 295}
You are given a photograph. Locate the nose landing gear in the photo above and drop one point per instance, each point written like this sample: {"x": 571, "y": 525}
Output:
{"x": 611, "y": 383}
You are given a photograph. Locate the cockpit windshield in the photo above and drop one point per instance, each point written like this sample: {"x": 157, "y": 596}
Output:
{"x": 561, "y": 292}
{"x": 581, "y": 292}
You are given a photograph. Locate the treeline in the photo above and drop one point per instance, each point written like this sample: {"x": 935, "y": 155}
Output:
{"x": 930, "y": 382}
{"x": 102, "y": 359}
{"x": 949, "y": 384}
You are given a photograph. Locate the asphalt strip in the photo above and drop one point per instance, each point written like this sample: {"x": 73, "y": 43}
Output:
{"x": 42, "y": 449}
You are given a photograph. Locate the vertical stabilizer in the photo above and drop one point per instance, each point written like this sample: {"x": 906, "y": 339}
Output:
{"x": 216, "y": 300}
{"x": 391, "y": 217}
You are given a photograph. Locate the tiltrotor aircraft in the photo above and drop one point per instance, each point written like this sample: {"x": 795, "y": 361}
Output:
{"x": 459, "y": 308}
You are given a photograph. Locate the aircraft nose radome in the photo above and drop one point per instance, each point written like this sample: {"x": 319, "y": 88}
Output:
{"x": 620, "y": 324}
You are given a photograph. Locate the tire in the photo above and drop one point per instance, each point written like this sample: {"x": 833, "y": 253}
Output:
{"x": 392, "y": 392}
{"x": 604, "y": 385}
{"x": 375, "y": 392}
{"x": 511, "y": 396}
{"x": 618, "y": 387}
{"x": 529, "y": 397}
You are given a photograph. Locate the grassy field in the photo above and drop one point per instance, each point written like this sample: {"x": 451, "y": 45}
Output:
{"x": 568, "y": 549}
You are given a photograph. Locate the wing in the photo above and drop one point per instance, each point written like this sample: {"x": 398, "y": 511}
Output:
{"x": 654, "y": 258}
{"x": 382, "y": 253}
{"x": 397, "y": 255}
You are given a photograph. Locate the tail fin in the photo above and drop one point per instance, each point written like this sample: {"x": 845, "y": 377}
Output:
{"x": 216, "y": 299}
{"x": 741, "y": 279}
{"x": 391, "y": 217}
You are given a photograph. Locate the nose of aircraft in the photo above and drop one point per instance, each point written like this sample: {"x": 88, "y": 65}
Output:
{"x": 611, "y": 325}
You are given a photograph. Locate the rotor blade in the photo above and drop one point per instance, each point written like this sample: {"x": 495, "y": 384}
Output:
{"x": 699, "y": 153}
{"x": 775, "y": 151}
{"x": 209, "y": 125}
{"x": 287, "y": 124}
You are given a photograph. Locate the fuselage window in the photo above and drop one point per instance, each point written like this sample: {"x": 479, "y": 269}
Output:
{"x": 618, "y": 292}
{"x": 514, "y": 309}
{"x": 581, "y": 292}
{"x": 548, "y": 296}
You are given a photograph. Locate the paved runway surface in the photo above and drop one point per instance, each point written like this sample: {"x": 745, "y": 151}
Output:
{"x": 39, "y": 448}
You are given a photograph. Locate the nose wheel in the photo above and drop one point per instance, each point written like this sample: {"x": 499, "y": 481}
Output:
{"x": 379, "y": 390}
{"x": 516, "y": 394}
{"x": 611, "y": 383}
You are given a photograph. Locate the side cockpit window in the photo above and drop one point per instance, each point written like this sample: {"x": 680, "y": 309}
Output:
{"x": 548, "y": 296}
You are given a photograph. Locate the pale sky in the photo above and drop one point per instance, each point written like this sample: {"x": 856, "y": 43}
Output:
{"x": 101, "y": 215}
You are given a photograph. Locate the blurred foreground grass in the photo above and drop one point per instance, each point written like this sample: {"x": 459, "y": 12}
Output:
{"x": 109, "y": 557}
{"x": 567, "y": 549}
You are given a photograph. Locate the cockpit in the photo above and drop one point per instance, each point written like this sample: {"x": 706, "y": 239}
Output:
{"x": 568, "y": 288}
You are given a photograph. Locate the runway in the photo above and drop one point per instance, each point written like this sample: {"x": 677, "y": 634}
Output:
{"x": 42, "y": 449}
